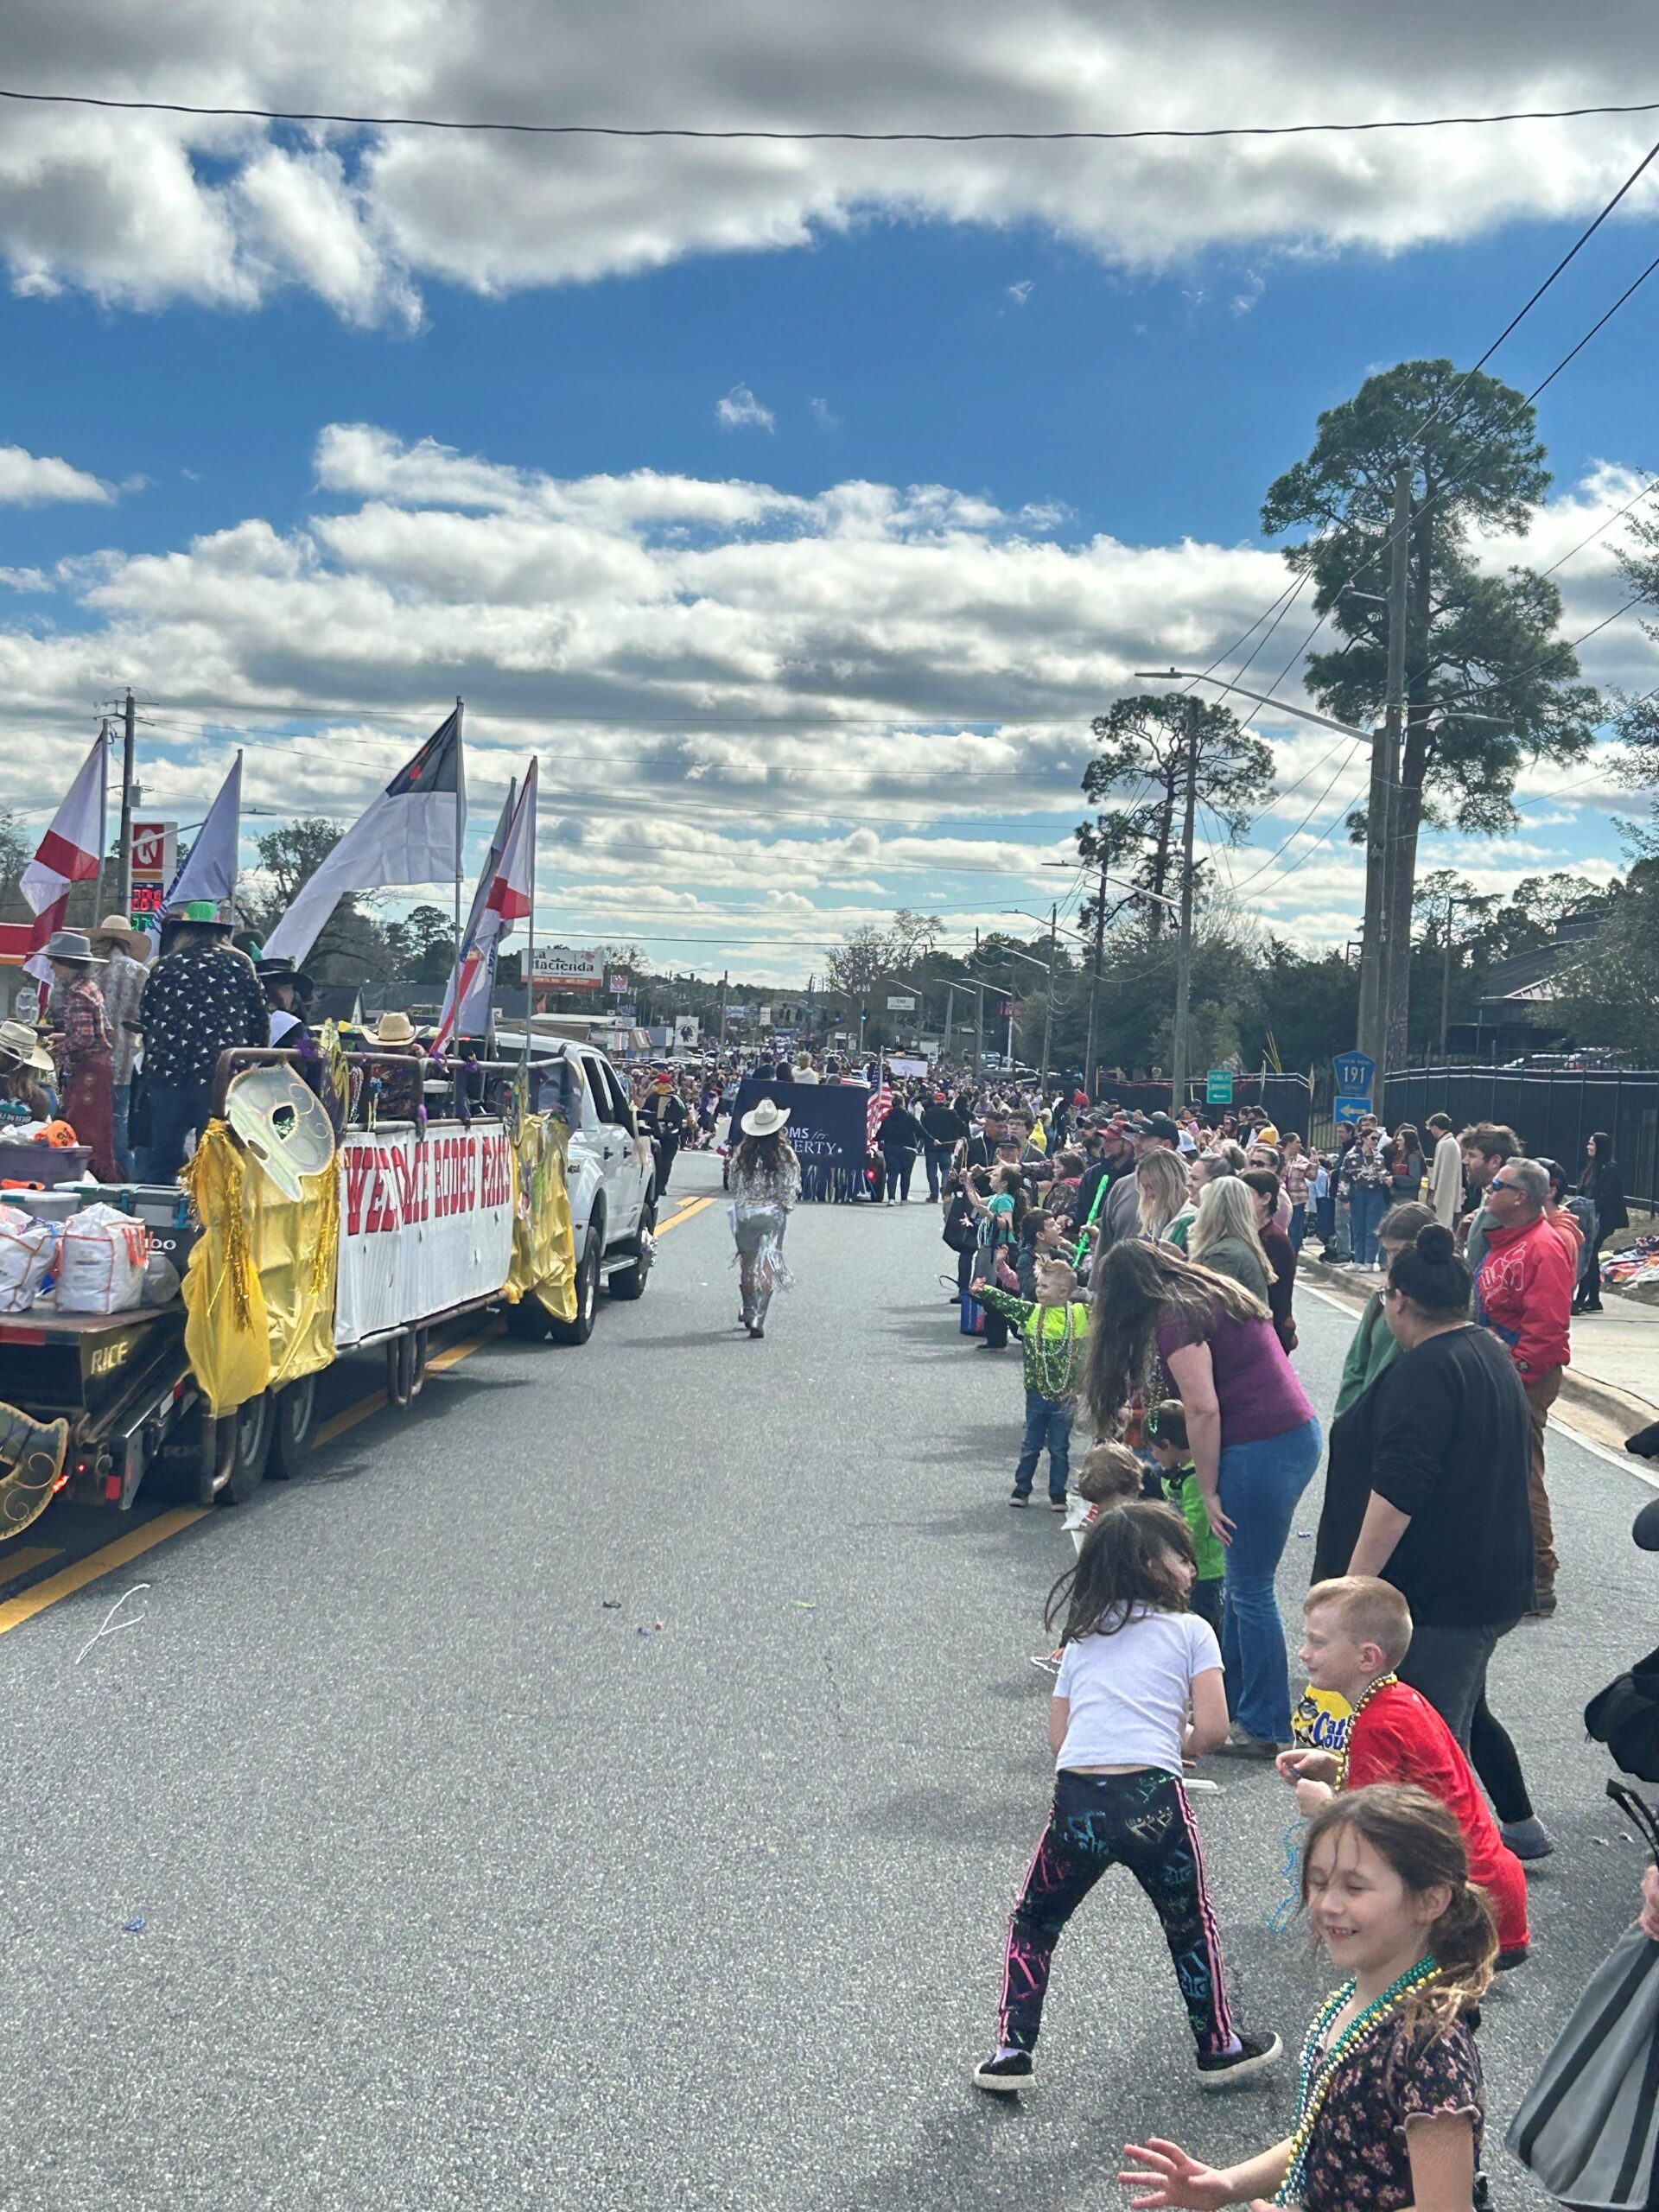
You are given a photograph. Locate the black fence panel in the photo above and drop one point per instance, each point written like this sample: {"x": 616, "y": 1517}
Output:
{"x": 1554, "y": 1112}
{"x": 1285, "y": 1096}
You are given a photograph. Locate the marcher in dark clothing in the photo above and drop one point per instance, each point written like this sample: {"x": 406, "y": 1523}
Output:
{"x": 900, "y": 1136}
{"x": 663, "y": 1117}
{"x": 1603, "y": 1184}
{"x": 943, "y": 1130}
{"x": 201, "y": 998}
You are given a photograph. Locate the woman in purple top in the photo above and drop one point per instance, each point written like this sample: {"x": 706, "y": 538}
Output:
{"x": 1253, "y": 1436}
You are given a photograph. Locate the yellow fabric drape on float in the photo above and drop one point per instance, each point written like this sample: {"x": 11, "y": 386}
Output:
{"x": 259, "y": 1288}
{"x": 543, "y": 1242}
{"x": 225, "y": 1332}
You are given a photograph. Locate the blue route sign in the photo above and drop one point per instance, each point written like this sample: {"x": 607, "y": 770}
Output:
{"x": 1345, "y": 1110}
{"x": 1356, "y": 1074}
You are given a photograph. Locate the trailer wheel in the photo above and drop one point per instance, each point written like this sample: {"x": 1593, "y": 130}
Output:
{"x": 241, "y": 1442}
{"x": 630, "y": 1282}
{"x": 578, "y": 1331}
{"x": 293, "y": 1417}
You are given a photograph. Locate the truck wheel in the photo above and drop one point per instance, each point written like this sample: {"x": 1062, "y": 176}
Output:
{"x": 630, "y": 1282}
{"x": 293, "y": 1417}
{"x": 241, "y": 1442}
{"x": 578, "y": 1331}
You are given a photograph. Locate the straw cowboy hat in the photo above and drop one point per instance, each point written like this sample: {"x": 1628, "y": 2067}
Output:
{"x": 765, "y": 1120}
{"x": 117, "y": 925}
{"x": 73, "y": 947}
{"x": 393, "y": 1029}
{"x": 19, "y": 1042}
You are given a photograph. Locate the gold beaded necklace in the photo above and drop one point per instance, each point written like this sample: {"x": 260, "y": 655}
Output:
{"x": 1383, "y": 1682}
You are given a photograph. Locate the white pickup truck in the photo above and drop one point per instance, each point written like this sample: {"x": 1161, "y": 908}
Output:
{"x": 611, "y": 1175}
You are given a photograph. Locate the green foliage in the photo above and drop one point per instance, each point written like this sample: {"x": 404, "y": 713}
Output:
{"x": 1610, "y": 993}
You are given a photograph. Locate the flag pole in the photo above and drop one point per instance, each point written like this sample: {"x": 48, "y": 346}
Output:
{"x": 236, "y": 855}
{"x": 530, "y": 946}
{"x": 460, "y": 836}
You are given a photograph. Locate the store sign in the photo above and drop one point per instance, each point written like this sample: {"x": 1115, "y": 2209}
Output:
{"x": 425, "y": 1223}
{"x": 618, "y": 986}
{"x": 901, "y": 1002}
{"x": 555, "y": 967}
{"x": 155, "y": 864}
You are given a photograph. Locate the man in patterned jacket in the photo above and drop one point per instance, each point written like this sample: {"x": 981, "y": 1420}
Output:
{"x": 200, "y": 999}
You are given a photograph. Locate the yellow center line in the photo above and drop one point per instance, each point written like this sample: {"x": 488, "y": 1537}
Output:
{"x": 17, "y": 1610}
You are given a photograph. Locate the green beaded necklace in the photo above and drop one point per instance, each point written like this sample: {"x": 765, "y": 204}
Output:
{"x": 1319, "y": 2071}
{"x": 1053, "y": 1380}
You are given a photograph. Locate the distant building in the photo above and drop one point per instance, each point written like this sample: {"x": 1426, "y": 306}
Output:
{"x": 1516, "y": 1012}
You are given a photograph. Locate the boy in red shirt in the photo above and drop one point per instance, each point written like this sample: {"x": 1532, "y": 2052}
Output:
{"x": 1356, "y": 1631}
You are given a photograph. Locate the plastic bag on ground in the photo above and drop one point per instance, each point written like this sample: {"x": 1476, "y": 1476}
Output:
{"x": 101, "y": 1261}
{"x": 28, "y": 1249}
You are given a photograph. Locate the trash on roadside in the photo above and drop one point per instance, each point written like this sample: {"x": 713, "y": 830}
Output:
{"x": 134, "y": 1927}
{"x": 611, "y": 1604}
{"x": 653, "y": 1629}
{"x": 1304, "y": 1536}
{"x": 806, "y": 1604}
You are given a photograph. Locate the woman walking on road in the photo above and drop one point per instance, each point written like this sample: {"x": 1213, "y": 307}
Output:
{"x": 1253, "y": 1438}
{"x": 764, "y": 1183}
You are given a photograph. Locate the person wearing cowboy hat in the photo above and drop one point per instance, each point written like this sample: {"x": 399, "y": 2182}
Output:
{"x": 764, "y": 1181}
{"x": 201, "y": 998}
{"x": 83, "y": 1048}
{"x": 663, "y": 1113}
{"x": 124, "y": 951}
{"x": 288, "y": 991}
{"x": 398, "y": 1068}
{"x": 23, "y": 1061}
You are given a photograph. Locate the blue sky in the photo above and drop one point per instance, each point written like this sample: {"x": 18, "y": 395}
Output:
{"x": 354, "y": 436}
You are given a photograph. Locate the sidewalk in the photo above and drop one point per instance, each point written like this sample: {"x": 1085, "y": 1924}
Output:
{"x": 1612, "y": 1388}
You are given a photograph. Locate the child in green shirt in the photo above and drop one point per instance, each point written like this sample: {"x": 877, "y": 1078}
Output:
{"x": 1166, "y": 1435}
{"x": 1053, "y": 1328}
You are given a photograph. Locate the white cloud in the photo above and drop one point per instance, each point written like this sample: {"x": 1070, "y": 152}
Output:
{"x": 874, "y": 696}
{"x": 1021, "y": 292}
{"x": 740, "y": 411}
{"x": 28, "y": 479}
{"x": 821, "y": 416}
{"x": 25, "y": 580}
{"x": 142, "y": 209}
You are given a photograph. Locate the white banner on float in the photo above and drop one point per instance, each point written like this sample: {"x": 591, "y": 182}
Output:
{"x": 425, "y": 1224}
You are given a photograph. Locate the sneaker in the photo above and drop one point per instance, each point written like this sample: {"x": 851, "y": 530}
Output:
{"x": 756, "y": 1330}
{"x": 1542, "y": 1607}
{"x": 1005, "y": 2075}
{"x": 1046, "y": 1662}
{"x": 1223, "y": 2070}
{"x": 1528, "y": 1838}
{"x": 1057, "y": 1504}
{"x": 1507, "y": 1961}
{"x": 1241, "y": 1745}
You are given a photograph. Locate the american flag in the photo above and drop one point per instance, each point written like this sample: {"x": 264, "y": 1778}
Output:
{"x": 881, "y": 1106}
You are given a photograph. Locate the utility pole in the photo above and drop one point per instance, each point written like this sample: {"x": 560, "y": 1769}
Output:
{"x": 725, "y": 982}
{"x": 979, "y": 1023}
{"x": 124, "y": 901}
{"x": 1184, "y": 966}
{"x": 1373, "y": 1037}
{"x": 1048, "y": 1004}
{"x": 1094, "y": 984}
{"x": 1446, "y": 973}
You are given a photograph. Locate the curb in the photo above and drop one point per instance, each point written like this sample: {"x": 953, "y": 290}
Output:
{"x": 1610, "y": 1414}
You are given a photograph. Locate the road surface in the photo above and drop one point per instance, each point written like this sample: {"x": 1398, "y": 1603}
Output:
{"x": 464, "y": 1883}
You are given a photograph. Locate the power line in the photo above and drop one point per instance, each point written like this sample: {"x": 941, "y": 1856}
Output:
{"x": 813, "y": 137}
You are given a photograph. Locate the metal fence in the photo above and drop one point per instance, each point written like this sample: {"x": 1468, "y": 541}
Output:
{"x": 1287, "y": 1098}
{"x": 1553, "y": 1114}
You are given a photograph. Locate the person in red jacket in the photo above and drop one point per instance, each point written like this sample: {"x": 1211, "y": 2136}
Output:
{"x": 1523, "y": 1295}
{"x": 1356, "y": 1631}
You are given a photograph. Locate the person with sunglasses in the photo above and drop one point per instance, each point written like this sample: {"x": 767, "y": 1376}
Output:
{"x": 1523, "y": 1295}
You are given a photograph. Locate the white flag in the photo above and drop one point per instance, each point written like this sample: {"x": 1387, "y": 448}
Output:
{"x": 506, "y": 889}
{"x": 210, "y": 871}
{"x": 468, "y": 1015}
{"x": 410, "y": 834}
{"x": 69, "y": 853}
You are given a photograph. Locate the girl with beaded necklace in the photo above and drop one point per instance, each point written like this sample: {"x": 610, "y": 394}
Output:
{"x": 1389, "y": 2107}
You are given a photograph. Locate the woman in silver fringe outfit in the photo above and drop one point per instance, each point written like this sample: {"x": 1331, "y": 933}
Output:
{"x": 764, "y": 1183}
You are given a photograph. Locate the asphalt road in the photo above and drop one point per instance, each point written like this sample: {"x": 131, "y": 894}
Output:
{"x": 458, "y": 1889}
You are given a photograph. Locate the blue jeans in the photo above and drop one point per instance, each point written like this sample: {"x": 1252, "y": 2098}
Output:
{"x": 1259, "y": 1487}
{"x": 176, "y": 1108}
{"x": 1324, "y": 1212}
{"x": 1298, "y": 1229}
{"x": 120, "y": 1099}
{"x": 939, "y": 1166}
{"x": 1048, "y": 1421}
{"x": 1365, "y": 1211}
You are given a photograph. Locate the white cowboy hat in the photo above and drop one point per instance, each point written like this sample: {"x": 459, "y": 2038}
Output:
{"x": 764, "y": 1120}
{"x": 19, "y": 1042}
{"x": 117, "y": 925}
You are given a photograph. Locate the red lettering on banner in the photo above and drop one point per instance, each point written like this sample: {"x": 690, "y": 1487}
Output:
{"x": 402, "y": 1169}
{"x": 357, "y": 1176}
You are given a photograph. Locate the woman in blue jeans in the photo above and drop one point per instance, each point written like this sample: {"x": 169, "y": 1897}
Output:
{"x": 1367, "y": 1185}
{"x": 1252, "y": 1437}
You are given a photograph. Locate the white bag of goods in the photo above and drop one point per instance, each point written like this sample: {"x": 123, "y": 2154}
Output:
{"x": 101, "y": 1261}
{"x": 161, "y": 1283}
{"x": 28, "y": 1249}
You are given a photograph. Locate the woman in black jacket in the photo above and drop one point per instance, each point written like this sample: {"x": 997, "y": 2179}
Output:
{"x": 900, "y": 1136}
{"x": 1603, "y": 1184}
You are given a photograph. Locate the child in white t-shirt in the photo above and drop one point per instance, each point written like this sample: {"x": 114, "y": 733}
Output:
{"x": 1135, "y": 1664}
